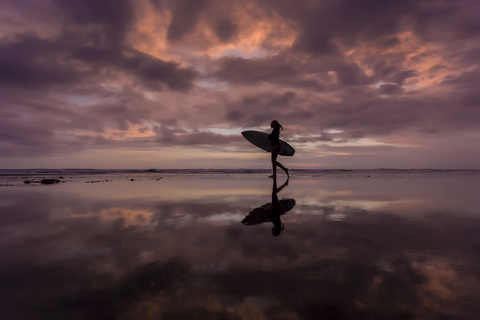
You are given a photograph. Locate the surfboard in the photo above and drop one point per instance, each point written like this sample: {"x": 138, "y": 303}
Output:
{"x": 260, "y": 140}
{"x": 264, "y": 213}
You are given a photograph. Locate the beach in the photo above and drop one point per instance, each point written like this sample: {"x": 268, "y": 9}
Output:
{"x": 175, "y": 244}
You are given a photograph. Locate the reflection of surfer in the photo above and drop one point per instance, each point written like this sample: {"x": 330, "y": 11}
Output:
{"x": 271, "y": 212}
{"x": 274, "y": 140}
{"x": 276, "y": 209}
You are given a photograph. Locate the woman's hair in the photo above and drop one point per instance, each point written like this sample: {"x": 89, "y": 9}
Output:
{"x": 275, "y": 122}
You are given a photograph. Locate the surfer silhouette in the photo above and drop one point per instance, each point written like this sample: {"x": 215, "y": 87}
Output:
{"x": 276, "y": 209}
{"x": 271, "y": 212}
{"x": 274, "y": 138}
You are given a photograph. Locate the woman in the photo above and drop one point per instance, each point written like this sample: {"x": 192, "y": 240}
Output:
{"x": 274, "y": 138}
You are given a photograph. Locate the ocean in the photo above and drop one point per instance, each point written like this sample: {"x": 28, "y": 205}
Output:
{"x": 234, "y": 244}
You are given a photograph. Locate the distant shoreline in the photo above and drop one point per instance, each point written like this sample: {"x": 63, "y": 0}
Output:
{"x": 52, "y": 172}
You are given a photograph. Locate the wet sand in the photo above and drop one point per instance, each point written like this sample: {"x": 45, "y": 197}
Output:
{"x": 355, "y": 245}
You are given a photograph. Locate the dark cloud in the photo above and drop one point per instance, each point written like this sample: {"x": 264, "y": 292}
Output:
{"x": 351, "y": 75}
{"x": 282, "y": 70}
{"x": 154, "y": 71}
{"x": 78, "y": 75}
{"x": 91, "y": 47}
{"x": 29, "y": 61}
{"x": 288, "y": 72}
{"x": 162, "y": 135}
{"x": 389, "y": 88}
{"x": 400, "y": 77}
{"x": 467, "y": 79}
{"x": 388, "y": 42}
{"x": 35, "y": 136}
{"x": 114, "y": 18}
{"x": 316, "y": 43}
{"x": 362, "y": 109}
{"x": 171, "y": 137}
{"x": 437, "y": 67}
{"x": 386, "y": 72}
{"x": 224, "y": 29}
{"x": 325, "y": 137}
{"x": 324, "y": 23}
{"x": 260, "y": 109}
{"x": 357, "y": 134}
{"x": 468, "y": 57}
{"x": 446, "y": 20}
{"x": 97, "y": 140}
{"x": 250, "y": 71}
{"x": 185, "y": 17}
{"x": 471, "y": 99}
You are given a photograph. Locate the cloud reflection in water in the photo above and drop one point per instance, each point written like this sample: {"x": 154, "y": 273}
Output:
{"x": 67, "y": 254}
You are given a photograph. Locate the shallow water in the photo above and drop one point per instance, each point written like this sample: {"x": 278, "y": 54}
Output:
{"x": 355, "y": 245}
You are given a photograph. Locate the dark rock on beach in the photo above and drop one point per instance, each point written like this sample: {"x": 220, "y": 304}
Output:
{"x": 50, "y": 181}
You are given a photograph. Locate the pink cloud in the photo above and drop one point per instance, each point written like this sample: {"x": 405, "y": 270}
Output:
{"x": 370, "y": 69}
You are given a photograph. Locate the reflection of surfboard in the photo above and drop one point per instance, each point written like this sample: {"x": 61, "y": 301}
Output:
{"x": 260, "y": 140}
{"x": 263, "y": 214}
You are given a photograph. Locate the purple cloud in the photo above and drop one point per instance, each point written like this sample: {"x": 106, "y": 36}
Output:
{"x": 77, "y": 75}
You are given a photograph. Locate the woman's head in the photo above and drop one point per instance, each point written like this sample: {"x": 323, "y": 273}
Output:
{"x": 276, "y": 125}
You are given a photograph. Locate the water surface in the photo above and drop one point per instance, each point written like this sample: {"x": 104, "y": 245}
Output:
{"x": 169, "y": 245}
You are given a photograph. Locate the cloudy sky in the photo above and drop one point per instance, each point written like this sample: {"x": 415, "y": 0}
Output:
{"x": 171, "y": 84}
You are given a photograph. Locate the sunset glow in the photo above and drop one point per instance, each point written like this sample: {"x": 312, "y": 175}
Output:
{"x": 171, "y": 84}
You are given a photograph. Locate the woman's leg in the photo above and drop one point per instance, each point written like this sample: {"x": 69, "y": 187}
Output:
{"x": 283, "y": 168}
{"x": 275, "y": 151}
